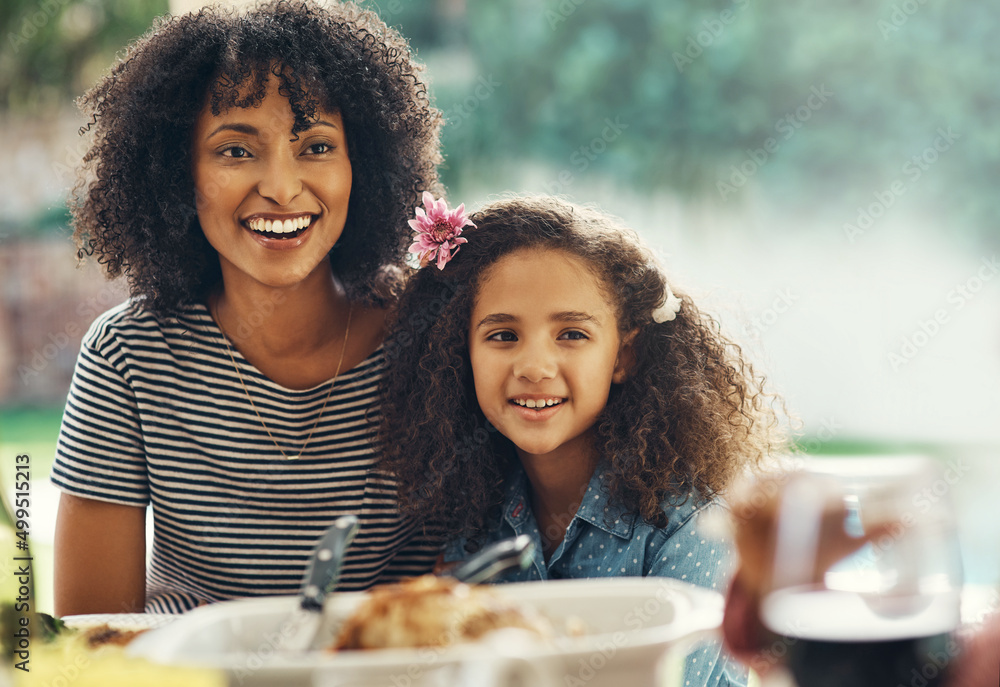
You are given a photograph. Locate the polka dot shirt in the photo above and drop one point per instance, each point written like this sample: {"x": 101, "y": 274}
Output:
{"x": 602, "y": 541}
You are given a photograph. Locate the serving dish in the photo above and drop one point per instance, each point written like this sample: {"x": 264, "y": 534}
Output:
{"x": 631, "y": 625}
{"x": 119, "y": 621}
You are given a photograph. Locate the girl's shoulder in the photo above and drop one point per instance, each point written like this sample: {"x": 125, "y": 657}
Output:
{"x": 683, "y": 511}
{"x": 692, "y": 504}
{"x": 689, "y": 513}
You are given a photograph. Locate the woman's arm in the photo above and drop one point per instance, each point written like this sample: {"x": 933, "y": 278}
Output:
{"x": 100, "y": 557}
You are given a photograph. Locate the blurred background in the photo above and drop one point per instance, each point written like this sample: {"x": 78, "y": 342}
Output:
{"x": 822, "y": 177}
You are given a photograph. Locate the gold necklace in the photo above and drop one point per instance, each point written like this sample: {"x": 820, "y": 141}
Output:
{"x": 229, "y": 349}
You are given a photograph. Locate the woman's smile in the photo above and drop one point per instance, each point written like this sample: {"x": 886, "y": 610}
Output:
{"x": 279, "y": 232}
{"x": 278, "y": 228}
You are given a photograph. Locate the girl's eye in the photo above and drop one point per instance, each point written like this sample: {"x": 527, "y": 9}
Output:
{"x": 236, "y": 152}
{"x": 504, "y": 336}
{"x": 573, "y": 335}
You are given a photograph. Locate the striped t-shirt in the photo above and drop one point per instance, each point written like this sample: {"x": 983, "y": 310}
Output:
{"x": 157, "y": 414}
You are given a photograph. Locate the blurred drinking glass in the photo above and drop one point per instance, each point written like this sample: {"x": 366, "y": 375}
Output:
{"x": 865, "y": 574}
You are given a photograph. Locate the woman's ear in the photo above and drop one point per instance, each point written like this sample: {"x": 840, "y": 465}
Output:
{"x": 626, "y": 358}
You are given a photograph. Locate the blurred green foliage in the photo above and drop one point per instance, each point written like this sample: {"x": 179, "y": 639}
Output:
{"x": 32, "y": 430}
{"x": 19, "y": 425}
{"x": 702, "y": 87}
{"x": 708, "y": 100}
{"x": 53, "y": 50}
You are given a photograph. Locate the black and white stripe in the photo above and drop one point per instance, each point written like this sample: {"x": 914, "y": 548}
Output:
{"x": 156, "y": 414}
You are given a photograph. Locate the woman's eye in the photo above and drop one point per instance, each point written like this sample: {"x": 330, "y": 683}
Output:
{"x": 236, "y": 151}
{"x": 505, "y": 337}
{"x": 319, "y": 148}
{"x": 573, "y": 335}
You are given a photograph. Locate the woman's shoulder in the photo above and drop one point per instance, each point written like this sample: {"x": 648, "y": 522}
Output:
{"x": 131, "y": 320}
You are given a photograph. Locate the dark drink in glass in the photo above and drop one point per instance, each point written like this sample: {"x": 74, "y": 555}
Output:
{"x": 845, "y": 639}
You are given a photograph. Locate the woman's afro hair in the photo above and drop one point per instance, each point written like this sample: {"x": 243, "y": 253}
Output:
{"x": 134, "y": 205}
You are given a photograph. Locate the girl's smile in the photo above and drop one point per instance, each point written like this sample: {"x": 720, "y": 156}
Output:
{"x": 544, "y": 347}
{"x": 537, "y": 410}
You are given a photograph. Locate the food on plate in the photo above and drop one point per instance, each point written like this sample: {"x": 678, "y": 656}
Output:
{"x": 431, "y": 611}
{"x": 103, "y": 635}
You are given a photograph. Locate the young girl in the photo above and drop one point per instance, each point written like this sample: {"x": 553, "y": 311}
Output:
{"x": 547, "y": 381}
{"x": 251, "y": 175}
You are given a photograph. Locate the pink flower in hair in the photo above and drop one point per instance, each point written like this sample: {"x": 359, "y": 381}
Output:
{"x": 438, "y": 231}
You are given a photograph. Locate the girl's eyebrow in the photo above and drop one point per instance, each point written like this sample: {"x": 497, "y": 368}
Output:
{"x": 496, "y": 318}
{"x": 574, "y": 316}
{"x": 563, "y": 316}
{"x": 251, "y": 130}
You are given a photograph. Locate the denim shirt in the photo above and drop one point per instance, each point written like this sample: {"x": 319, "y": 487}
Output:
{"x": 602, "y": 541}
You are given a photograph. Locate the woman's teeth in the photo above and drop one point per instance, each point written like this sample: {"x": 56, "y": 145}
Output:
{"x": 278, "y": 226}
{"x": 540, "y": 403}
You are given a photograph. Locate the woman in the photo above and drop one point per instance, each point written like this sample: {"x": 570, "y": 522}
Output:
{"x": 251, "y": 175}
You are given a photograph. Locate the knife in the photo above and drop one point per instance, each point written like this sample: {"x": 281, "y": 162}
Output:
{"x": 297, "y": 633}
{"x": 516, "y": 552}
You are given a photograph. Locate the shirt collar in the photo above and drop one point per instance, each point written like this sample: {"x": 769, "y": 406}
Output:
{"x": 594, "y": 510}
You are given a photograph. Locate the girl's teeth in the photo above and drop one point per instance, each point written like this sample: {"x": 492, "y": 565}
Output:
{"x": 541, "y": 403}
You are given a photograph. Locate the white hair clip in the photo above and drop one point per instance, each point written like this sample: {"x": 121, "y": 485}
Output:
{"x": 668, "y": 311}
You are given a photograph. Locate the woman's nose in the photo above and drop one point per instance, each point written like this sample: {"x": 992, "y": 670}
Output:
{"x": 535, "y": 362}
{"x": 281, "y": 180}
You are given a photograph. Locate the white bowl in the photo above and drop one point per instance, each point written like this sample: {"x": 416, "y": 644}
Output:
{"x": 631, "y": 624}
{"x": 119, "y": 621}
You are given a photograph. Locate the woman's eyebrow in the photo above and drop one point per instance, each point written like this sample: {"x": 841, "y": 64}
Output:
{"x": 238, "y": 128}
{"x": 251, "y": 130}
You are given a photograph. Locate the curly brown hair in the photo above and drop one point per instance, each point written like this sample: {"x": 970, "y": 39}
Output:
{"x": 133, "y": 204}
{"x": 690, "y": 416}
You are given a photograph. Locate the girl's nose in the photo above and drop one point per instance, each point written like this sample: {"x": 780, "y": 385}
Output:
{"x": 281, "y": 181}
{"x": 535, "y": 363}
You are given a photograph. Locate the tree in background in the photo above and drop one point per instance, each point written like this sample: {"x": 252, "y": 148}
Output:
{"x": 815, "y": 107}
{"x": 818, "y": 106}
{"x": 53, "y": 50}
